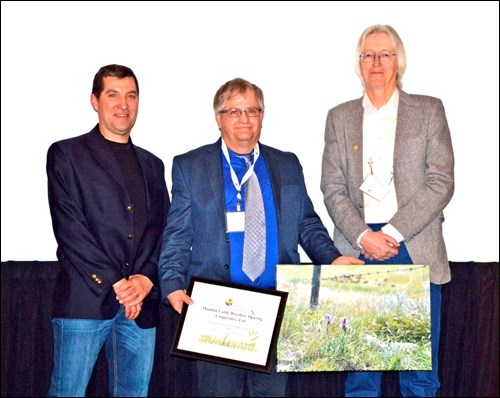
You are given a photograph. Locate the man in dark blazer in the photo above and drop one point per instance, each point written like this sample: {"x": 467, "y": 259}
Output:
{"x": 108, "y": 201}
{"x": 205, "y": 233}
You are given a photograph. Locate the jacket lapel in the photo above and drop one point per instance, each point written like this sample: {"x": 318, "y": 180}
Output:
{"x": 354, "y": 141}
{"x": 104, "y": 155}
{"x": 406, "y": 108}
{"x": 273, "y": 167}
{"x": 213, "y": 165}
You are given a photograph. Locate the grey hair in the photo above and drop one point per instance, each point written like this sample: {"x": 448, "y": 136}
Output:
{"x": 236, "y": 86}
{"x": 398, "y": 47}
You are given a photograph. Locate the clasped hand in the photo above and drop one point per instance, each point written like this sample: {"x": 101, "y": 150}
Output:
{"x": 131, "y": 293}
{"x": 378, "y": 246}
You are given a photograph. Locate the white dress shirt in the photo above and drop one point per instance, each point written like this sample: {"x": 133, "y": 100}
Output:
{"x": 379, "y": 132}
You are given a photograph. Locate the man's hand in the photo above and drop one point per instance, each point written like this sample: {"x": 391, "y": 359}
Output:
{"x": 134, "y": 290}
{"x": 177, "y": 298}
{"x": 133, "y": 311}
{"x": 378, "y": 246}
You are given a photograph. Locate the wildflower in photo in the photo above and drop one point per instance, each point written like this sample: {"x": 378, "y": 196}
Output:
{"x": 344, "y": 323}
{"x": 328, "y": 320}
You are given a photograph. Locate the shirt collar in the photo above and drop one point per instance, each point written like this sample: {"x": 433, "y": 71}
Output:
{"x": 391, "y": 105}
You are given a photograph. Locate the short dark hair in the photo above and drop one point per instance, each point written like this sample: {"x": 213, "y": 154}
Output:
{"x": 113, "y": 70}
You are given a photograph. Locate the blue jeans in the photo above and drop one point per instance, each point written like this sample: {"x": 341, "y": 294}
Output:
{"x": 412, "y": 383}
{"x": 77, "y": 343}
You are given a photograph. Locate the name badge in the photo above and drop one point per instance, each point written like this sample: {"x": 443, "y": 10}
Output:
{"x": 375, "y": 187}
{"x": 235, "y": 221}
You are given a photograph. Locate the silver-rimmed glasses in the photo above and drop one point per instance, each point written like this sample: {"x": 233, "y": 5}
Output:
{"x": 369, "y": 56}
{"x": 236, "y": 112}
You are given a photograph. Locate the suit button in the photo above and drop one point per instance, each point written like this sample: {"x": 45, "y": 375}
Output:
{"x": 130, "y": 209}
{"x": 127, "y": 265}
{"x": 226, "y": 266}
{"x": 130, "y": 237}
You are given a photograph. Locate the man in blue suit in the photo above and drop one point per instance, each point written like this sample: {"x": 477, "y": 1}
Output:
{"x": 205, "y": 233}
{"x": 108, "y": 201}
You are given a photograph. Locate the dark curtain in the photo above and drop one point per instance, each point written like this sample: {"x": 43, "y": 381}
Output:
{"x": 468, "y": 355}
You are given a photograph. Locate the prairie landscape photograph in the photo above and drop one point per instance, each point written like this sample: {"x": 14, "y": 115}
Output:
{"x": 351, "y": 318}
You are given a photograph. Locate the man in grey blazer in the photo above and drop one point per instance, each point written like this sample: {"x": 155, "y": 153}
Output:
{"x": 108, "y": 201}
{"x": 387, "y": 175}
{"x": 205, "y": 233}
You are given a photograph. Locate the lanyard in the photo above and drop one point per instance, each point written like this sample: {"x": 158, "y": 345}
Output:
{"x": 234, "y": 177}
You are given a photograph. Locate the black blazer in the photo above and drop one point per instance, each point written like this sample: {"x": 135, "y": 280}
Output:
{"x": 93, "y": 220}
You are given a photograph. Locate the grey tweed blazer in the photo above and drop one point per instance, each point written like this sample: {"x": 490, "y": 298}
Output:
{"x": 423, "y": 178}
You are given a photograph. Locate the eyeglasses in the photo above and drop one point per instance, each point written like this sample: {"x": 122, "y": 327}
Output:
{"x": 236, "y": 112}
{"x": 384, "y": 56}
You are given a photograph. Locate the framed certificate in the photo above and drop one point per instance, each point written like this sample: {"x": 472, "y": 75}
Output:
{"x": 230, "y": 324}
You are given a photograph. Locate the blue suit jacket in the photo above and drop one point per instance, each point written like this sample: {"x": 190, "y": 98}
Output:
{"x": 195, "y": 242}
{"x": 93, "y": 221}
